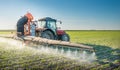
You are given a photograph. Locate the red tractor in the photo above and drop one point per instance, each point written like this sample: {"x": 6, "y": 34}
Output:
{"x": 47, "y": 28}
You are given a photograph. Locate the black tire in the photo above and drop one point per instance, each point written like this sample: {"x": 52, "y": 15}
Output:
{"x": 47, "y": 34}
{"x": 65, "y": 37}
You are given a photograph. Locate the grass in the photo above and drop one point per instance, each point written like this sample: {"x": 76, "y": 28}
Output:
{"x": 109, "y": 38}
{"x": 7, "y": 31}
{"x": 105, "y": 42}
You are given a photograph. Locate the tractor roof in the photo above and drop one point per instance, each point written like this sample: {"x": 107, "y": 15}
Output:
{"x": 47, "y": 19}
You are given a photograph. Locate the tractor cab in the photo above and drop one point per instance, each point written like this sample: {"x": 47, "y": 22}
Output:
{"x": 49, "y": 29}
{"x": 48, "y": 23}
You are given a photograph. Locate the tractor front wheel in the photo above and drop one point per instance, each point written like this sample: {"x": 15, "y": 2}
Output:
{"x": 65, "y": 37}
{"x": 47, "y": 34}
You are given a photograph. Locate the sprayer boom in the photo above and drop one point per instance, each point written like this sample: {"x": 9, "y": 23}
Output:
{"x": 39, "y": 40}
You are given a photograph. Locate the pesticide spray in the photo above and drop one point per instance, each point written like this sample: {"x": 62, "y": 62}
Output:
{"x": 72, "y": 53}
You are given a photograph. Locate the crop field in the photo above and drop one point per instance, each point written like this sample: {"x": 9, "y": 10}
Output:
{"x": 14, "y": 55}
{"x": 110, "y": 38}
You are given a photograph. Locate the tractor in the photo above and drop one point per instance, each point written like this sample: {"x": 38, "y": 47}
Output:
{"x": 47, "y": 28}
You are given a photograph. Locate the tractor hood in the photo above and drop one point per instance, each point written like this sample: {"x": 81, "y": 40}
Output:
{"x": 60, "y": 32}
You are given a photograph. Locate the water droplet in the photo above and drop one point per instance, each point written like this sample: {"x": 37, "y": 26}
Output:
{"x": 84, "y": 55}
{"x": 62, "y": 51}
{"x": 68, "y": 52}
{"x": 76, "y": 53}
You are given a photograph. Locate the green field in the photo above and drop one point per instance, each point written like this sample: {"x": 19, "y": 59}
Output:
{"x": 110, "y": 38}
{"x": 7, "y": 31}
{"x": 106, "y": 45}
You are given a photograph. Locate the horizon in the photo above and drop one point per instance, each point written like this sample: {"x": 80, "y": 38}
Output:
{"x": 66, "y": 30}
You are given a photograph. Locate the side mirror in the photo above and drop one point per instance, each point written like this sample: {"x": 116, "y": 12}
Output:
{"x": 60, "y": 22}
{"x": 58, "y": 27}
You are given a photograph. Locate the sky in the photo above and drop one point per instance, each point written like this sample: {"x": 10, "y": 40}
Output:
{"x": 74, "y": 14}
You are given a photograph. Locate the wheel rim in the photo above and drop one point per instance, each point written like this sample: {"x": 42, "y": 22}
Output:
{"x": 45, "y": 35}
{"x": 65, "y": 38}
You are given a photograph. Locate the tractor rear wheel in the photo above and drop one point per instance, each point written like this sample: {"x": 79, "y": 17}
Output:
{"x": 47, "y": 34}
{"x": 65, "y": 37}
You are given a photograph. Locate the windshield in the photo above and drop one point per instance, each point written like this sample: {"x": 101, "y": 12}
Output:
{"x": 41, "y": 24}
{"x": 51, "y": 24}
